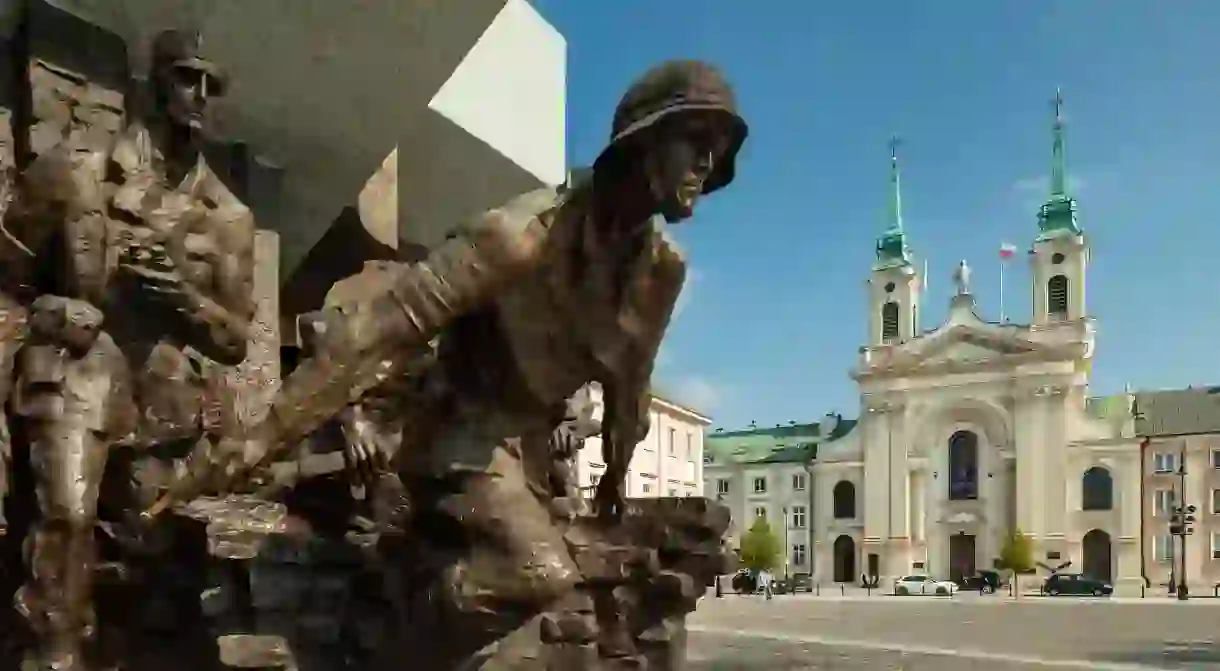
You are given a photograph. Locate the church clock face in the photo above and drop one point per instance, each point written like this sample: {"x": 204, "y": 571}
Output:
{"x": 889, "y": 287}
{"x": 1057, "y": 258}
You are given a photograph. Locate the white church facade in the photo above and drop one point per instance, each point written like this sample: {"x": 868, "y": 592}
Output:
{"x": 974, "y": 429}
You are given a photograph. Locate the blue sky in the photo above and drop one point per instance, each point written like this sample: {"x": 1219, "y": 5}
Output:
{"x": 775, "y": 309}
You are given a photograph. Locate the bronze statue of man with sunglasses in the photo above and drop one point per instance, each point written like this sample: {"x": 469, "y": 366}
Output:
{"x": 533, "y": 300}
{"x": 150, "y": 260}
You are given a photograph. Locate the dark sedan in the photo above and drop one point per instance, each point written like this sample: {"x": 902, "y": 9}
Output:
{"x": 1070, "y": 583}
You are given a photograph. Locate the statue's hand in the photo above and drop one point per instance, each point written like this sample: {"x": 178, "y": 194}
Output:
{"x": 366, "y": 460}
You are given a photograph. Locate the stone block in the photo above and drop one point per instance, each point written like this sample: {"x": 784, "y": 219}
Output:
{"x": 571, "y": 656}
{"x": 241, "y": 651}
{"x": 568, "y": 628}
{"x": 615, "y": 563}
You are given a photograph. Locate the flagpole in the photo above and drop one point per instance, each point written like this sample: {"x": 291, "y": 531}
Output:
{"x": 1003, "y": 318}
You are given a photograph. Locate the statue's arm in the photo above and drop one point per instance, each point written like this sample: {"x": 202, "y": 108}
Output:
{"x": 628, "y": 391}
{"x": 349, "y": 341}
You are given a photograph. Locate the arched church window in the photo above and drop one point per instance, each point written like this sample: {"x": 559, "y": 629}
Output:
{"x": 963, "y": 466}
{"x": 844, "y": 500}
{"x": 1057, "y": 296}
{"x": 1097, "y": 489}
{"x": 889, "y": 321}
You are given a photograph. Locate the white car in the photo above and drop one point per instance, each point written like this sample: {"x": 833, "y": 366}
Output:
{"x": 922, "y": 584}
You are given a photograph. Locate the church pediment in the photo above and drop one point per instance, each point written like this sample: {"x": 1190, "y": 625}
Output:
{"x": 957, "y": 347}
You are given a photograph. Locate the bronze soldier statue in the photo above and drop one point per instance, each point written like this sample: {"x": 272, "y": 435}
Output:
{"x": 533, "y": 300}
{"x": 151, "y": 286}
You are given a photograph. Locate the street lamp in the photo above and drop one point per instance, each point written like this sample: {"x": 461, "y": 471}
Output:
{"x": 1180, "y": 521}
{"x": 785, "y": 514}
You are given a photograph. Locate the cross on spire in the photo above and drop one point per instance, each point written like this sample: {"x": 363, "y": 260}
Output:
{"x": 1058, "y": 159}
{"x": 895, "y": 209}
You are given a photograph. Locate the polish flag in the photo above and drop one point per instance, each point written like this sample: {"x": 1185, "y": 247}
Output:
{"x": 1007, "y": 251}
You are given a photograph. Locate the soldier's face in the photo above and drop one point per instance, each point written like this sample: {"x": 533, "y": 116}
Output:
{"x": 682, "y": 156}
{"x": 187, "y": 93}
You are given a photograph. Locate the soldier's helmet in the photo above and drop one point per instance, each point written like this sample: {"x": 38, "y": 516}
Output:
{"x": 677, "y": 87}
{"x": 174, "y": 50}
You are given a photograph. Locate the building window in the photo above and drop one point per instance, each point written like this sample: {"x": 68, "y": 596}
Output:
{"x": 760, "y": 512}
{"x": 798, "y": 554}
{"x": 1216, "y": 501}
{"x": 1057, "y": 297}
{"x": 690, "y": 446}
{"x": 647, "y": 488}
{"x": 1097, "y": 489}
{"x": 798, "y": 482}
{"x": 1162, "y": 505}
{"x": 798, "y": 517}
{"x": 963, "y": 466}
{"x": 760, "y": 485}
{"x": 672, "y": 434}
{"x": 1215, "y": 458}
{"x": 1165, "y": 462}
{"x": 672, "y": 492}
{"x": 889, "y": 321}
{"x": 1162, "y": 547}
{"x": 594, "y": 478}
{"x": 722, "y": 486}
{"x": 1216, "y": 545}
{"x": 844, "y": 503}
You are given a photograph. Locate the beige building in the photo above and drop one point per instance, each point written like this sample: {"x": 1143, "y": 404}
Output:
{"x": 669, "y": 462}
{"x": 1181, "y": 428}
{"x": 765, "y": 472}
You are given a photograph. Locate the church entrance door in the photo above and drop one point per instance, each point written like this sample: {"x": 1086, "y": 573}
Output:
{"x": 961, "y": 556}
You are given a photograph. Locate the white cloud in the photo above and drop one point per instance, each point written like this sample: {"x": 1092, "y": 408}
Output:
{"x": 698, "y": 392}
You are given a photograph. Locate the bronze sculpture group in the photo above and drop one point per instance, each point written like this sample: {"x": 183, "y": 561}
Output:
{"x": 456, "y": 384}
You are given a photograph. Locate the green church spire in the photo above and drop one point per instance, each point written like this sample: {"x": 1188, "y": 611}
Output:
{"x": 1058, "y": 216}
{"x": 892, "y": 250}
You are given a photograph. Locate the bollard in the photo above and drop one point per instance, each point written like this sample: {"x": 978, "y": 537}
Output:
{"x": 868, "y": 591}
{"x": 818, "y": 590}
{"x": 1142, "y": 589}
{"x": 842, "y": 590}
{"x": 719, "y": 589}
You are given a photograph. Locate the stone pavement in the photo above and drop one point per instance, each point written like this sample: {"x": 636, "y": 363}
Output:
{"x": 967, "y": 633}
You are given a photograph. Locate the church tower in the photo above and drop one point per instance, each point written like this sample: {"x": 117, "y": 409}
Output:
{"x": 894, "y": 286}
{"x": 1060, "y": 254}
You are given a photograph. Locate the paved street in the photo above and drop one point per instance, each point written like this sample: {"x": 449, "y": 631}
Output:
{"x": 965, "y": 633}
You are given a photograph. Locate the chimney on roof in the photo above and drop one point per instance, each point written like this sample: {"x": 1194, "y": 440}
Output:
{"x": 791, "y": 422}
{"x": 753, "y": 424}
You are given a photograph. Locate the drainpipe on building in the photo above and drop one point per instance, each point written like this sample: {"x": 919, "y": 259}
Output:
{"x": 1143, "y": 512}
{"x": 810, "y": 535}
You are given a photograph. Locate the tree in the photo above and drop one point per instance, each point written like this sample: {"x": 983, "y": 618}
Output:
{"x": 760, "y": 549}
{"x": 1017, "y": 556}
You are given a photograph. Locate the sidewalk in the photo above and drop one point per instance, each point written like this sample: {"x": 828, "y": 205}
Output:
{"x": 834, "y": 593}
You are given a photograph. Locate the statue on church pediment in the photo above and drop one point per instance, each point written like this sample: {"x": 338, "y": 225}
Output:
{"x": 961, "y": 277}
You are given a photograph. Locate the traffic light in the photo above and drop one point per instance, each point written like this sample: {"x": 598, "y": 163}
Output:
{"x": 1188, "y": 519}
{"x": 1181, "y": 519}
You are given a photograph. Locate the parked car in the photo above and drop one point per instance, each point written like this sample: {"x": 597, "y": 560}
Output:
{"x": 983, "y": 581}
{"x": 744, "y": 582}
{"x": 800, "y": 582}
{"x": 1072, "y": 583}
{"x": 923, "y": 584}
